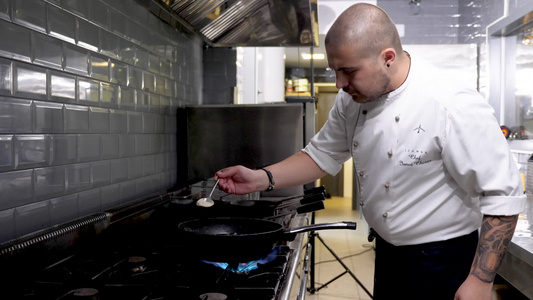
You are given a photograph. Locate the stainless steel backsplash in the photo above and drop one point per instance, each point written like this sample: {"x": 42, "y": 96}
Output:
{"x": 218, "y": 136}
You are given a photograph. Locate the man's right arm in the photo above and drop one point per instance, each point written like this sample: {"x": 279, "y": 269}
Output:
{"x": 297, "y": 169}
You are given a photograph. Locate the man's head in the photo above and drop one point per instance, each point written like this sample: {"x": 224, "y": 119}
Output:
{"x": 364, "y": 49}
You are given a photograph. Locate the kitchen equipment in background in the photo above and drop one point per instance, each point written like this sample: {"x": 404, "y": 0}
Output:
{"x": 518, "y": 133}
{"x": 529, "y": 176}
{"x": 311, "y": 200}
{"x": 301, "y": 85}
{"x": 230, "y": 23}
{"x": 510, "y": 68}
{"x": 506, "y": 131}
{"x": 270, "y": 208}
{"x": 514, "y": 133}
{"x": 289, "y": 85}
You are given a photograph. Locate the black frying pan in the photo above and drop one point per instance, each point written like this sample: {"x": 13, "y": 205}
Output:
{"x": 238, "y": 240}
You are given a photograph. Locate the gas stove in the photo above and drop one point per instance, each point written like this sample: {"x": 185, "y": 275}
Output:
{"x": 153, "y": 273}
{"x": 134, "y": 252}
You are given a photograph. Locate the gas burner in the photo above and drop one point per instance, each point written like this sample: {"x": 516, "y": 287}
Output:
{"x": 245, "y": 268}
{"x": 84, "y": 293}
{"x": 136, "y": 259}
{"x": 213, "y": 296}
{"x": 182, "y": 201}
{"x": 136, "y": 264}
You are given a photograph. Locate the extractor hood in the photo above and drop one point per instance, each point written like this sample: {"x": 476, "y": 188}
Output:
{"x": 228, "y": 23}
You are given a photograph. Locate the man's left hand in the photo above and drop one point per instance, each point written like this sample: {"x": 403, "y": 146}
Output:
{"x": 474, "y": 289}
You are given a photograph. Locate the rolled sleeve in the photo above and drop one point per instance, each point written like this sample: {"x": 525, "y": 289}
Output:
{"x": 329, "y": 148}
{"x": 323, "y": 160}
{"x": 503, "y": 205}
{"x": 477, "y": 155}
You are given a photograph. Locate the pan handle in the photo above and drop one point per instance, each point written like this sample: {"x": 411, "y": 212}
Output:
{"x": 337, "y": 225}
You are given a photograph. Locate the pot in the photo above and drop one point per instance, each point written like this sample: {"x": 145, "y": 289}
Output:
{"x": 238, "y": 240}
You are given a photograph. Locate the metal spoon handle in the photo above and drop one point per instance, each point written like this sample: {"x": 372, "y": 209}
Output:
{"x": 216, "y": 183}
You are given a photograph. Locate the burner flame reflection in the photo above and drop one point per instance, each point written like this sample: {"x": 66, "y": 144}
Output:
{"x": 246, "y": 267}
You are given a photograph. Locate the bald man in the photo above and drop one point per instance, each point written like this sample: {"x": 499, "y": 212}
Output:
{"x": 436, "y": 181}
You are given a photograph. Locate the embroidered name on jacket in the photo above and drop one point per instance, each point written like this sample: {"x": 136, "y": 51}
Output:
{"x": 416, "y": 158}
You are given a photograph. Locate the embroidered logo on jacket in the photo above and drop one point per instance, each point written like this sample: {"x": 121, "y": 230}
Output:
{"x": 419, "y": 128}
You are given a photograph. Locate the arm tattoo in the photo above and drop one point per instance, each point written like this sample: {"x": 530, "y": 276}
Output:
{"x": 495, "y": 235}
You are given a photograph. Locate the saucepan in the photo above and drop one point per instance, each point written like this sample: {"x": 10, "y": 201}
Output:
{"x": 239, "y": 240}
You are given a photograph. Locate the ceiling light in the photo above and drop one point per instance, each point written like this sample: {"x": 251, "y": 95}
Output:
{"x": 315, "y": 56}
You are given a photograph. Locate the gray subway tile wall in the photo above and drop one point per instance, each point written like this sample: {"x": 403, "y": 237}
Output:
{"x": 88, "y": 99}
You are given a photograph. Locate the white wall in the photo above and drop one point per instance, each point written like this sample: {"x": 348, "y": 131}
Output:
{"x": 260, "y": 75}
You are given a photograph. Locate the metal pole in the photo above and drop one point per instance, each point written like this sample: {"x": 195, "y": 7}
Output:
{"x": 312, "y": 79}
{"x": 312, "y": 269}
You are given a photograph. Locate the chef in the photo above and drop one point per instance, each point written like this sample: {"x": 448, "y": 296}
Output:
{"x": 436, "y": 180}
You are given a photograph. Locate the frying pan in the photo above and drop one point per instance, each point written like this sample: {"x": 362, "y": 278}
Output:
{"x": 238, "y": 240}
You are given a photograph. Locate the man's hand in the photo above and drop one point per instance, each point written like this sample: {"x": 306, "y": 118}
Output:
{"x": 241, "y": 180}
{"x": 297, "y": 169}
{"x": 474, "y": 289}
{"x": 494, "y": 237}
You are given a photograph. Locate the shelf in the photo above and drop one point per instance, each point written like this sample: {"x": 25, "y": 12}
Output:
{"x": 297, "y": 94}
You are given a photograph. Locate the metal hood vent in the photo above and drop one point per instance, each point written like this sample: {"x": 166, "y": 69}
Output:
{"x": 228, "y": 23}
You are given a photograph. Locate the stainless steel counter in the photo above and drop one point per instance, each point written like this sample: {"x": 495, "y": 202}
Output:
{"x": 517, "y": 265}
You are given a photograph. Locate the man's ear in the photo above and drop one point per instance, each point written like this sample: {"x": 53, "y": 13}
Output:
{"x": 388, "y": 56}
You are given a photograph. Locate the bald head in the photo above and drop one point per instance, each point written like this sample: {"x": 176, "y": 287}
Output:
{"x": 366, "y": 27}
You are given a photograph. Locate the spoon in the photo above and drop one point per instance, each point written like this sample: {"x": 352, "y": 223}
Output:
{"x": 207, "y": 202}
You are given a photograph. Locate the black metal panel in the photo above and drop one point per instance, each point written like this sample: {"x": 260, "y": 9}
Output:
{"x": 223, "y": 135}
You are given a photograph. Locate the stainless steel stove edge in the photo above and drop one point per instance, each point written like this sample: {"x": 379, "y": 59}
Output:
{"x": 291, "y": 286}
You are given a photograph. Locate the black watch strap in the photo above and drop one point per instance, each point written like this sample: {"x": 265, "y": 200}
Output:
{"x": 270, "y": 180}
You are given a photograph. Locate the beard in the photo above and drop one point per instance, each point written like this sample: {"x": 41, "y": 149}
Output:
{"x": 379, "y": 87}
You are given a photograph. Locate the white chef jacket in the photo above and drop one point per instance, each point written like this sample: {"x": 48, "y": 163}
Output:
{"x": 430, "y": 158}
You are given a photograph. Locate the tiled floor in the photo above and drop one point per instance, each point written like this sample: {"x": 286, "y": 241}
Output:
{"x": 352, "y": 246}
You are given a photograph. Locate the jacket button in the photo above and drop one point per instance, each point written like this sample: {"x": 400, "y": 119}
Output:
{"x": 361, "y": 173}
{"x": 361, "y": 203}
{"x": 365, "y": 112}
{"x": 387, "y": 184}
{"x": 397, "y": 118}
{"x": 389, "y": 153}
{"x": 385, "y": 215}
{"x": 355, "y": 144}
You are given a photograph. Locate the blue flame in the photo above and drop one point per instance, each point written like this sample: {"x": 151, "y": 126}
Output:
{"x": 246, "y": 267}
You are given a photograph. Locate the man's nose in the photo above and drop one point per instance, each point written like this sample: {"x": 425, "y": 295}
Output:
{"x": 340, "y": 82}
